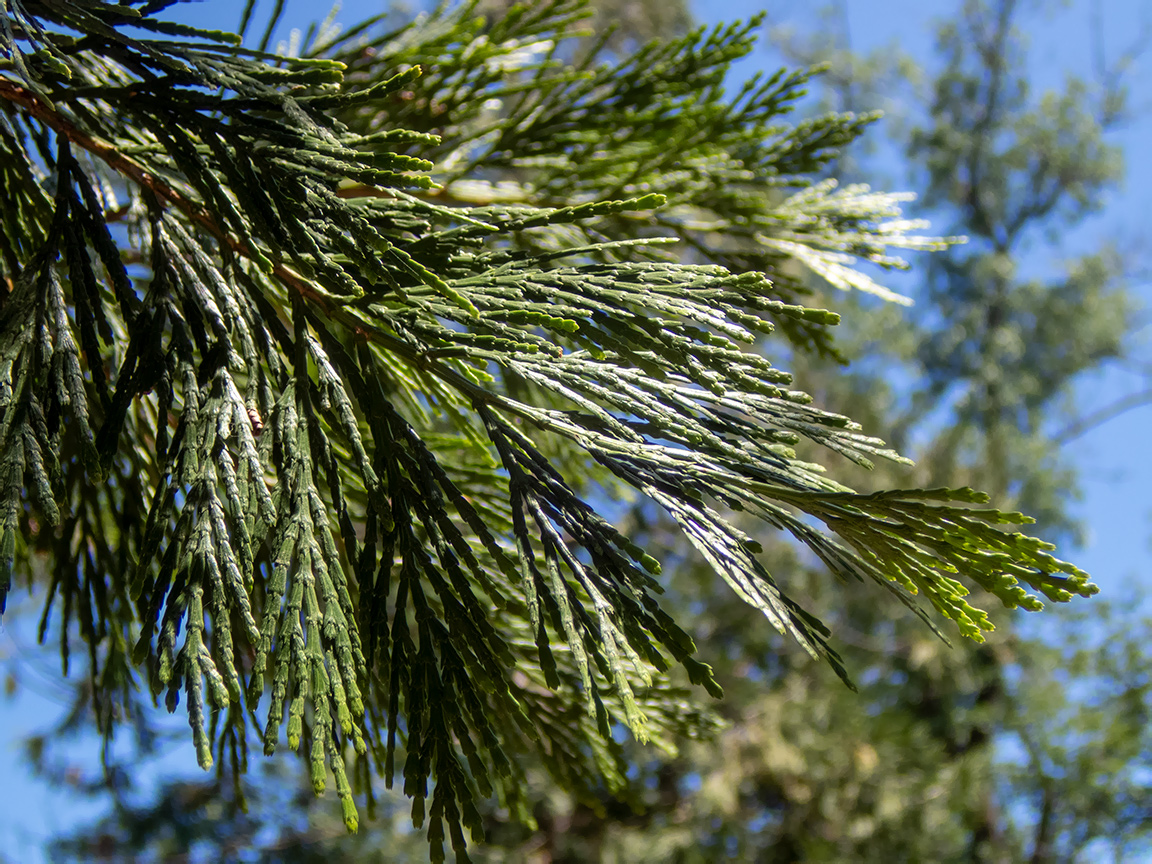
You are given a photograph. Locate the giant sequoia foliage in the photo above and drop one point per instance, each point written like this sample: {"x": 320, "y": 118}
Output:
{"x": 314, "y": 371}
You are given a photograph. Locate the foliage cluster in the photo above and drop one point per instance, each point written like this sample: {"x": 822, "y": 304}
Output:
{"x": 312, "y": 365}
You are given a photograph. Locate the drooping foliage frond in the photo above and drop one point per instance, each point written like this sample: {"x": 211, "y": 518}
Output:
{"x": 309, "y": 368}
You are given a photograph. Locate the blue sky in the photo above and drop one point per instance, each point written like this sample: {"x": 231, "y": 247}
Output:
{"x": 1117, "y": 503}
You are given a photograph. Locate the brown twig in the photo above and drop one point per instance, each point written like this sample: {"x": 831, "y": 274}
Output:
{"x": 117, "y": 161}
{"x": 120, "y": 163}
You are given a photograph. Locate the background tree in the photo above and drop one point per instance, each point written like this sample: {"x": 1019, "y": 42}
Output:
{"x": 796, "y": 243}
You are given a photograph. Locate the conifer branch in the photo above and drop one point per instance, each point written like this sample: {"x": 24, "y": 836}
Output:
{"x": 338, "y": 443}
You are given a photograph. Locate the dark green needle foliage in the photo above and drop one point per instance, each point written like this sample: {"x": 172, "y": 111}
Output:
{"x": 311, "y": 369}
